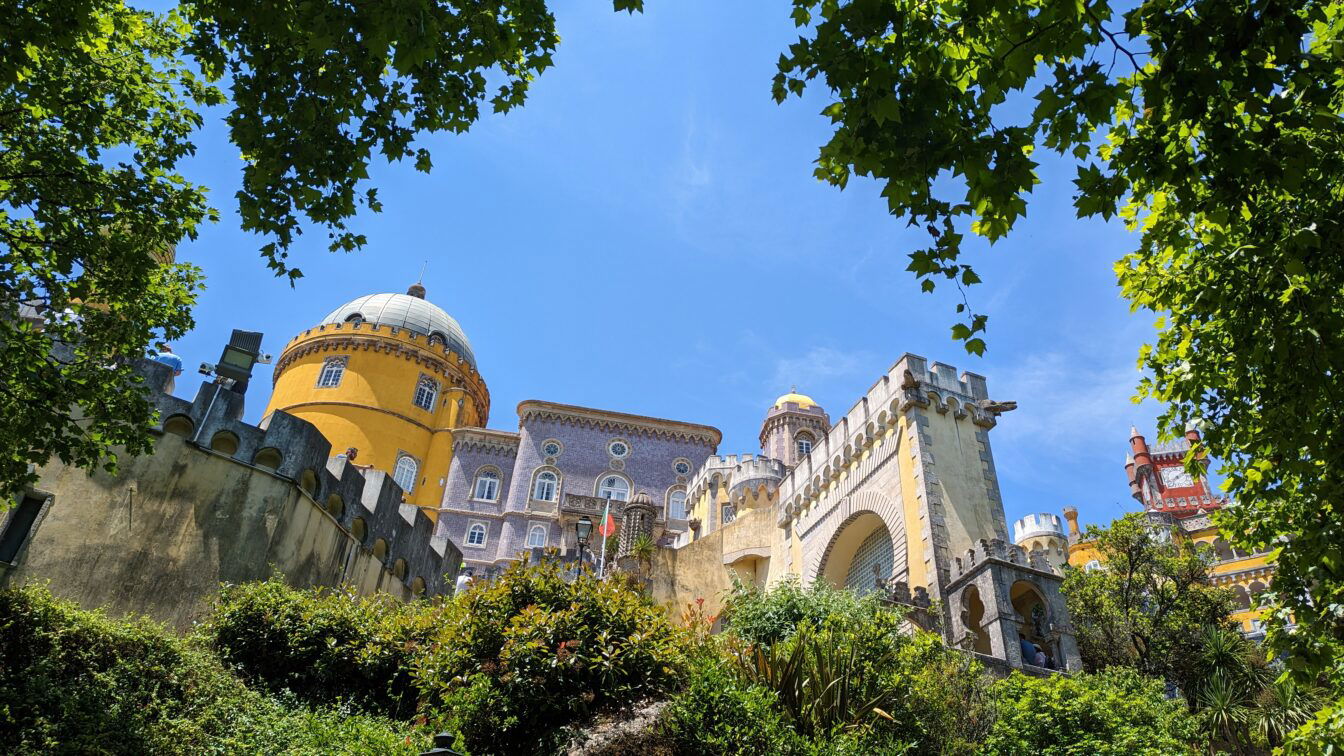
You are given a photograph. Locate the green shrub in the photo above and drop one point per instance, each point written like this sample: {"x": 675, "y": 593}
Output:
{"x": 1324, "y": 734}
{"x": 516, "y": 660}
{"x": 1115, "y": 711}
{"x": 74, "y": 681}
{"x": 324, "y": 646}
{"x": 766, "y": 617}
{"x": 720, "y": 713}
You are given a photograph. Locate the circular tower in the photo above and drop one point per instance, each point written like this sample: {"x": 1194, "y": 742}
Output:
{"x": 390, "y": 375}
{"x": 793, "y": 425}
{"x": 1043, "y": 534}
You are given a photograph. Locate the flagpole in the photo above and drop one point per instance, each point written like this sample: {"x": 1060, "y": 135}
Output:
{"x": 602, "y": 563}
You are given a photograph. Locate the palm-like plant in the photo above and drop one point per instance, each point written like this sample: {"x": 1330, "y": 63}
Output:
{"x": 1281, "y": 708}
{"x": 643, "y": 549}
{"x": 821, "y": 682}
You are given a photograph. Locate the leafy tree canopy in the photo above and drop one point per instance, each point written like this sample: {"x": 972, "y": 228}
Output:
{"x": 1149, "y": 604}
{"x": 98, "y": 104}
{"x": 1213, "y": 129}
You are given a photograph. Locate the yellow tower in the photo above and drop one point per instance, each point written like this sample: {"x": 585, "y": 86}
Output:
{"x": 390, "y": 375}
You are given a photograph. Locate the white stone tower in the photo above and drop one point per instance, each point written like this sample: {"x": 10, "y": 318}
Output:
{"x": 1042, "y": 536}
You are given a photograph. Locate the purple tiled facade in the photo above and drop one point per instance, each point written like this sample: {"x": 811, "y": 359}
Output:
{"x": 585, "y": 460}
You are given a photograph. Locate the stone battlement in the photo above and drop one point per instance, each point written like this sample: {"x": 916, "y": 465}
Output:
{"x": 365, "y": 503}
{"x": 736, "y": 470}
{"x": 994, "y": 549}
{"x": 1037, "y": 525}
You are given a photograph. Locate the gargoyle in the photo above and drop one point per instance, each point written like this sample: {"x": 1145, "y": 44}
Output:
{"x": 989, "y": 405}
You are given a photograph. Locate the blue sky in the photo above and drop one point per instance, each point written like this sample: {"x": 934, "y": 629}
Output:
{"x": 645, "y": 235}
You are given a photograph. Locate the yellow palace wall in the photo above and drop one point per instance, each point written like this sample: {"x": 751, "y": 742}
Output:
{"x": 372, "y": 408}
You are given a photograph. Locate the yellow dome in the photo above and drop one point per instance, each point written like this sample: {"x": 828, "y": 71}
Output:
{"x": 801, "y": 400}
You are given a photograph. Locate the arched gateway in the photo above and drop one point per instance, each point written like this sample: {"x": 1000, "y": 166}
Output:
{"x": 864, "y": 541}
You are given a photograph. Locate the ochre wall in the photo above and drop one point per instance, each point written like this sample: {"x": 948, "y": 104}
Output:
{"x": 372, "y": 409}
{"x": 961, "y": 480}
{"x": 697, "y": 570}
{"x": 159, "y": 538}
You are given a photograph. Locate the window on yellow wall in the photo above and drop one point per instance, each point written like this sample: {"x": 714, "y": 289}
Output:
{"x": 426, "y": 392}
{"x": 333, "y": 369}
{"x": 406, "y": 472}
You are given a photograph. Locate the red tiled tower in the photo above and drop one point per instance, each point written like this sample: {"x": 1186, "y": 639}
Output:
{"x": 1158, "y": 480}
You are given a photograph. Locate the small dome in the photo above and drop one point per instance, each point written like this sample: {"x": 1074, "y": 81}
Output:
{"x": 802, "y": 400}
{"x": 410, "y": 311}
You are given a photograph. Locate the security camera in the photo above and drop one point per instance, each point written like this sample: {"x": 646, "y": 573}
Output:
{"x": 264, "y": 359}
{"x": 206, "y": 369}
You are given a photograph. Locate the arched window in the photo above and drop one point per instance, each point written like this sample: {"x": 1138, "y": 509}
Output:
{"x": 545, "y": 487}
{"x": 614, "y": 487}
{"x": 426, "y": 392}
{"x": 333, "y": 369}
{"x": 804, "y": 444}
{"x": 406, "y": 473}
{"x": 676, "y": 505}
{"x": 487, "y": 485}
{"x": 536, "y": 536}
{"x": 729, "y": 513}
{"x": 1092, "y": 565}
{"x": 476, "y": 534}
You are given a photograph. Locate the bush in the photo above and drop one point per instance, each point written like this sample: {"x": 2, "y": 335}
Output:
{"x": 73, "y": 681}
{"x": 1324, "y": 734}
{"x": 720, "y": 713}
{"x": 516, "y": 660}
{"x": 324, "y": 646}
{"x": 764, "y": 618}
{"x": 1115, "y": 711}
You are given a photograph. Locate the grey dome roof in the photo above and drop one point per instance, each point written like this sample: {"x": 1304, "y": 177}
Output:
{"x": 406, "y": 311}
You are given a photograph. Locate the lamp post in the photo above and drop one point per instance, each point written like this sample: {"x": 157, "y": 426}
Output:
{"x": 583, "y": 530}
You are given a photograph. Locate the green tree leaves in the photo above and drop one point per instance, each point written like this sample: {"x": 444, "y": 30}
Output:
{"x": 98, "y": 103}
{"x": 1214, "y": 129}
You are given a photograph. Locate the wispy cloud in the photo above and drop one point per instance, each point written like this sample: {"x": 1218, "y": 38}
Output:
{"x": 820, "y": 370}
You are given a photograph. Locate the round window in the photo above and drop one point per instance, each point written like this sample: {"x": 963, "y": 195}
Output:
{"x": 551, "y": 449}
{"x": 682, "y": 467}
{"x": 618, "y": 449}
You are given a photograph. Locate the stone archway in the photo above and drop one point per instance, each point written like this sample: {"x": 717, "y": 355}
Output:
{"x": 862, "y": 531}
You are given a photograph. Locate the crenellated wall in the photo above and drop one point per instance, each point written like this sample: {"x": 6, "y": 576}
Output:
{"x": 222, "y": 501}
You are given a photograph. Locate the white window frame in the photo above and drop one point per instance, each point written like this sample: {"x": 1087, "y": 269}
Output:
{"x": 545, "y": 535}
{"x": 622, "y": 442}
{"x": 672, "y": 512}
{"x": 690, "y": 468}
{"x": 555, "y": 485}
{"x": 548, "y": 442}
{"x": 602, "y": 486}
{"x": 332, "y": 372}
{"x": 415, "y": 472}
{"x": 482, "y": 475}
{"x": 472, "y": 528}
{"x": 804, "y": 438}
{"x": 429, "y": 388}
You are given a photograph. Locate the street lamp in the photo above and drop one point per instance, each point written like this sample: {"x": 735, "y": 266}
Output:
{"x": 583, "y": 530}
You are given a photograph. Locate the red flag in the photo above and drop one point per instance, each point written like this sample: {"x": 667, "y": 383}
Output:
{"x": 607, "y": 527}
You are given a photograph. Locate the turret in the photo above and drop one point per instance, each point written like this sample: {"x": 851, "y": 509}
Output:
{"x": 1139, "y": 448}
{"x": 793, "y": 425}
{"x": 1133, "y": 477}
{"x": 1042, "y": 535}
{"x": 1071, "y": 514}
